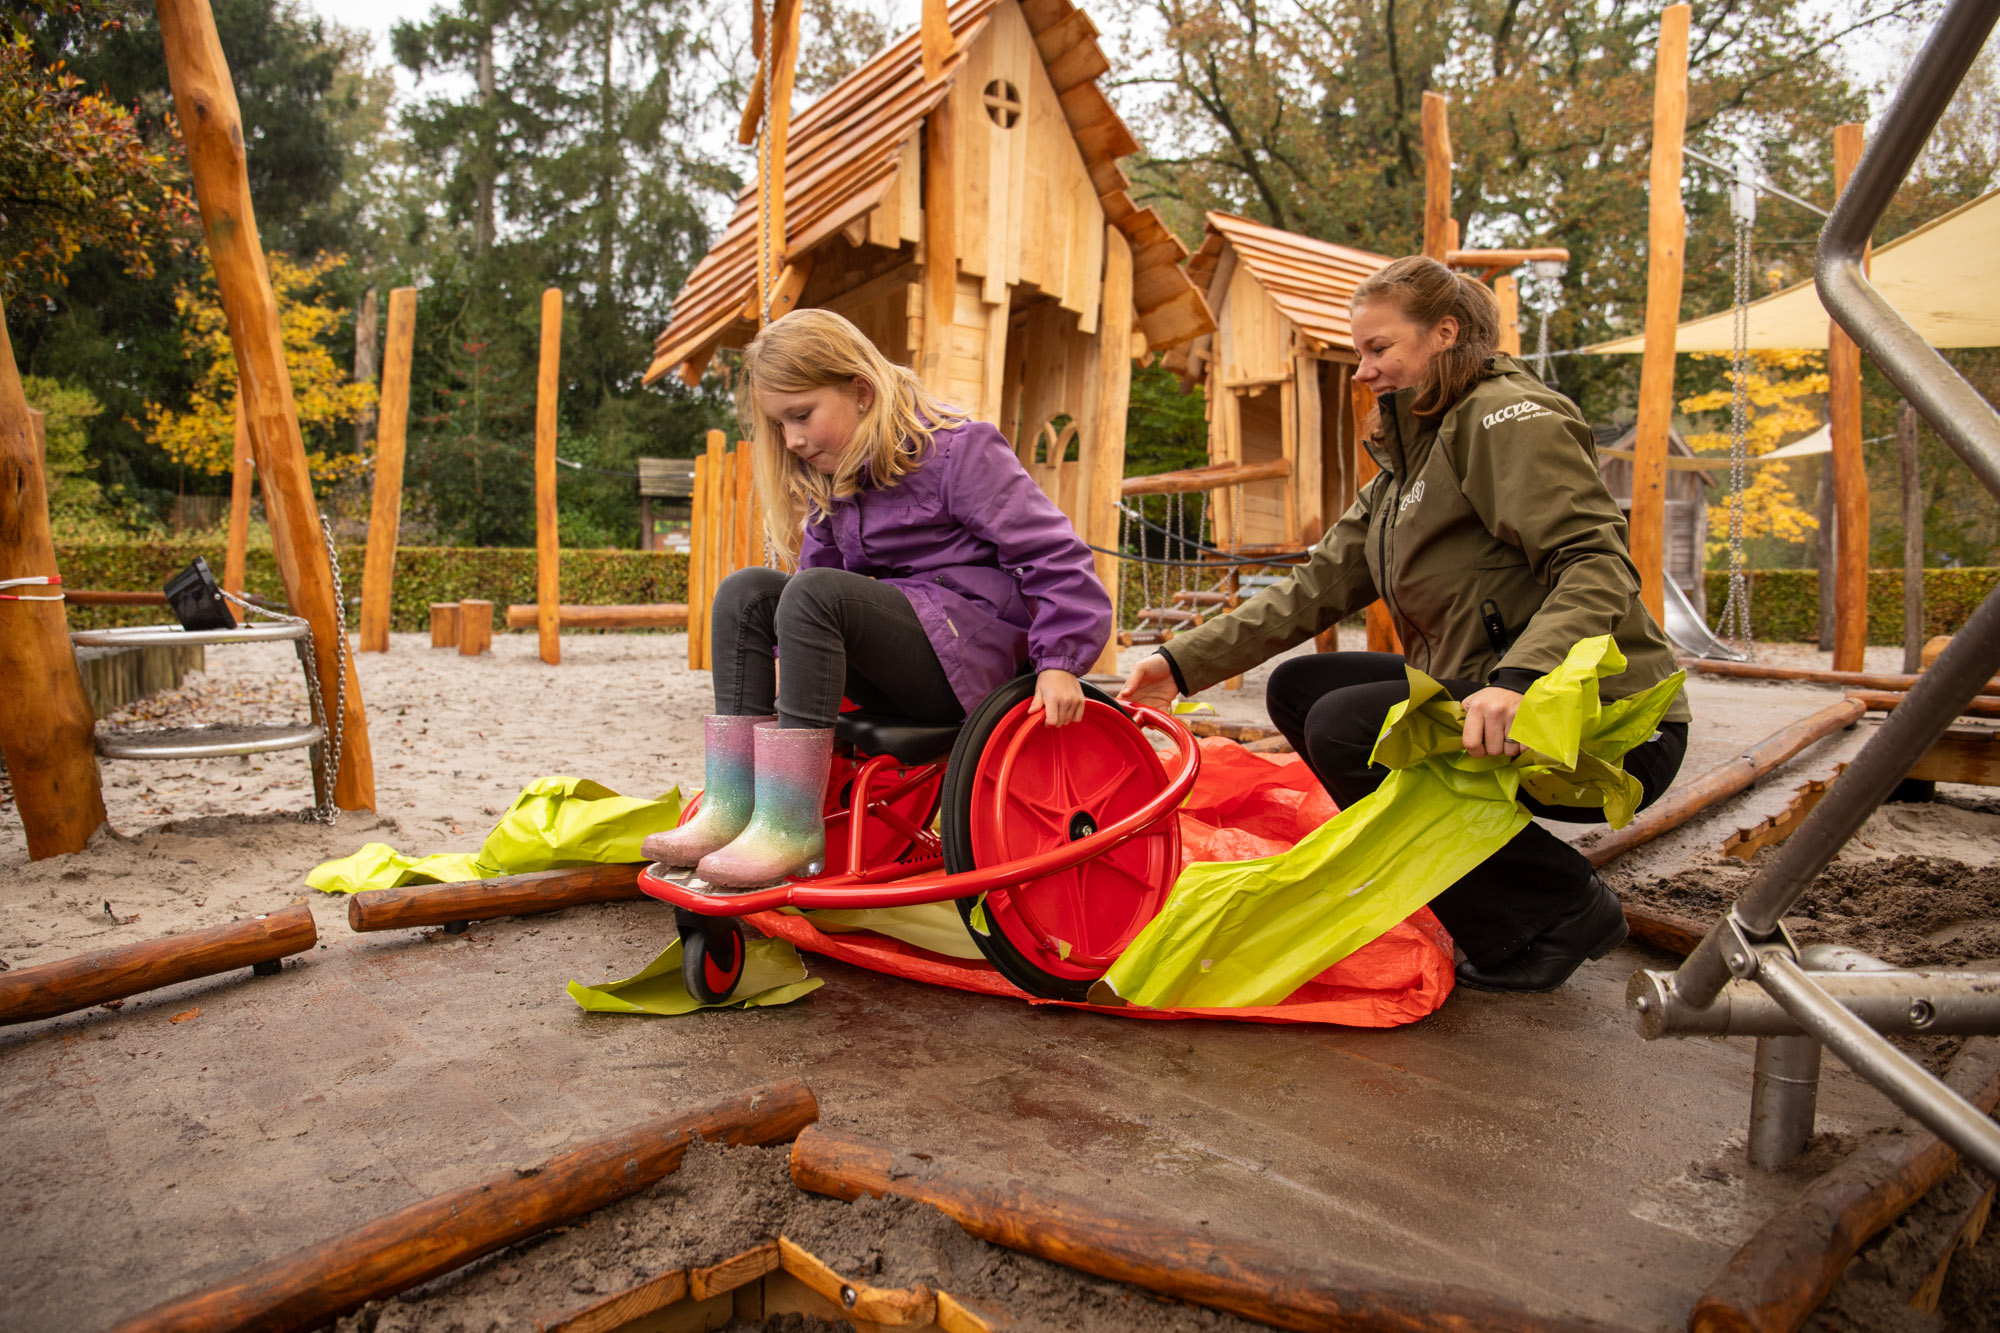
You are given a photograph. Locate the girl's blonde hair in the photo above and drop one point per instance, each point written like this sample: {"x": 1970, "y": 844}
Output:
{"x": 1427, "y": 293}
{"x": 817, "y": 349}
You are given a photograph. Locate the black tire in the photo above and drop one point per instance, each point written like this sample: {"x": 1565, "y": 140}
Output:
{"x": 711, "y": 955}
{"x": 955, "y": 805}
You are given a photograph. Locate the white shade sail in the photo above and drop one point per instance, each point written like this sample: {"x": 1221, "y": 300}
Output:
{"x": 1944, "y": 278}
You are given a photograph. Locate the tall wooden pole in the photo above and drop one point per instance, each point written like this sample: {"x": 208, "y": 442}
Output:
{"x": 1666, "y": 246}
{"x": 1381, "y": 625}
{"x": 1850, "y": 471}
{"x": 939, "y": 46}
{"x": 212, "y": 128}
{"x": 714, "y": 541}
{"x": 548, "y": 549}
{"x": 1507, "y": 291}
{"x": 385, "y": 513}
{"x": 783, "y": 61}
{"x": 45, "y": 722}
{"x": 236, "y": 554}
{"x": 940, "y": 248}
{"x": 1437, "y": 175}
{"x": 1913, "y": 539}
{"x": 1107, "y": 395}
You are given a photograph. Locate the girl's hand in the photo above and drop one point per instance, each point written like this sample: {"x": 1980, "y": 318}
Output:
{"x": 1151, "y": 684}
{"x": 1488, "y": 715}
{"x": 1059, "y": 696}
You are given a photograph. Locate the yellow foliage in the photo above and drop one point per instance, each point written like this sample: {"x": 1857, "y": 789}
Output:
{"x": 325, "y": 396}
{"x": 1786, "y": 392}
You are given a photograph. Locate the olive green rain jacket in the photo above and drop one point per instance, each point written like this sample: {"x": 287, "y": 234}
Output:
{"x": 1499, "y": 500}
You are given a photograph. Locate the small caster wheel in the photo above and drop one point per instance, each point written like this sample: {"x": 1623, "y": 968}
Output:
{"x": 711, "y": 954}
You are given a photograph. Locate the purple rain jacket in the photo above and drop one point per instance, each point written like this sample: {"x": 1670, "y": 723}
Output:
{"x": 997, "y": 575}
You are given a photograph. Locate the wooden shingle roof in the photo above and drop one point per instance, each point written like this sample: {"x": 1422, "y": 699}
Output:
{"x": 1310, "y": 281}
{"x": 843, "y": 152}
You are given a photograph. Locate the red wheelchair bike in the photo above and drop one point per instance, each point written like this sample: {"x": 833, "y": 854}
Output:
{"x": 1058, "y": 844}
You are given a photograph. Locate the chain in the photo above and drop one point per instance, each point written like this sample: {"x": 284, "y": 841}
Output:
{"x": 321, "y": 812}
{"x": 766, "y": 279}
{"x": 1543, "y": 366}
{"x": 1736, "y": 611}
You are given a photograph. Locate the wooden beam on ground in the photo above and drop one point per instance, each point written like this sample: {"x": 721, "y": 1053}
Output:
{"x": 1184, "y": 1262}
{"x": 1885, "y": 701}
{"x": 243, "y": 467}
{"x": 313, "y": 1286}
{"x": 46, "y": 727}
{"x": 385, "y": 513}
{"x": 212, "y": 129}
{"x": 1666, "y": 257}
{"x": 1781, "y": 1274}
{"x": 1864, "y": 680}
{"x": 1745, "y": 843}
{"x": 416, "y": 905}
{"x": 69, "y": 984}
{"x": 1107, "y": 395}
{"x": 1437, "y": 175}
{"x": 548, "y": 531}
{"x": 1963, "y": 754}
{"x": 570, "y": 615}
{"x": 1725, "y": 780}
{"x": 1850, "y": 469}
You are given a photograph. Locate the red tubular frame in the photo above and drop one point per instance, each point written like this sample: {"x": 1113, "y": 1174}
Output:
{"x": 907, "y": 883}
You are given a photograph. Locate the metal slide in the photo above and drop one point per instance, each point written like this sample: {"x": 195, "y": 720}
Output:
{"x": 1690, "y": 633}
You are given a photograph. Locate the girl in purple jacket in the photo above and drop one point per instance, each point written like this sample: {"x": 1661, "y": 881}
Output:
{"x": 931, "y": 569}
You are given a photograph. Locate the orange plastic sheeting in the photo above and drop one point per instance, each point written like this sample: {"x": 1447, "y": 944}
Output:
{"x": 1244, "y": 805}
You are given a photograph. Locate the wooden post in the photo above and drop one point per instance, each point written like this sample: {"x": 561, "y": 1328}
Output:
{"x": 939, "y": 46}
{"x": 475, "y": 627}
{"x": 1850, "y": 471}
{"x": 212, "y": 128}
{"x": 1913, "y": 538}
{"x": 1666, "y": 241}
{"x": 385, "y": 513}
{"x": 1107, "y": 395}
{"x": 242, "y": 472}
{"x": 1381, "y": 625}
{"x": 1309, "y": 476}
{"x": 710, "y": 537}
{"x": 1507, "y": 291}
{"x": 46, "y": 727}
{"x": 698, "y": 590}
{"x": 784, "y": 39}
{"x": 940, "y": 248}
{"x": 725, "y": 530}
{"x": 548, "y": 549}
{"x": 1829, "y": 524}
{"x": 444, "y": 624}
{"x": 747, "y": 552}
{"x": 1437, "y": 175}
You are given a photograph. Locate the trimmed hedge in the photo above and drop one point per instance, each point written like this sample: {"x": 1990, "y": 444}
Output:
{"x": 1784, "y": 603}
{"x": 424, "y": 574}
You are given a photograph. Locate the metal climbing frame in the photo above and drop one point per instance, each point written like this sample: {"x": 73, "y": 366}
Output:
{"x": 1817, "y": 991}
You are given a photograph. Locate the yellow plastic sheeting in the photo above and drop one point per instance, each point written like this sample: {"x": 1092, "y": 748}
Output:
{"x": 554, "y": 822}
{"x": 934, "y": 926}
{"x": 773, "y": 973}
{"x": 1243, "y": 933}
{"x": 1944, "y": 278}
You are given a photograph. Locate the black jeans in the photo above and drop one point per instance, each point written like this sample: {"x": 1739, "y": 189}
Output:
{"x": 1330, "y": 706}
{"x": 840, "y": 634}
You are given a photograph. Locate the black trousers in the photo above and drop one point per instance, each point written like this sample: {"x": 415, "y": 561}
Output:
{"x": 1330, "y": 706}
{"x": 839, "y": 633}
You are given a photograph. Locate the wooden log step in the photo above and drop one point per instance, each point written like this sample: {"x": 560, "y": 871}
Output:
{"x": 444, "y": 624}
{"x": 69, "y": 984}
{"x": 1168, "y": 615}
{"x": 645, "y": 615}
{"x": 475, "y": 627}
{"x": 1963, "y": 754}
{"x": 1143, "y": 638}
{"x": 416, "y": 905}
{"x": 1780, "y": 1275}
{"x": 1162, "y": 1256}
{"x": 1201, "y": 597}
{"x": 1884, "y": 701}
{"x": 1860, "y": 680}
{"x": 312, "y": 1286}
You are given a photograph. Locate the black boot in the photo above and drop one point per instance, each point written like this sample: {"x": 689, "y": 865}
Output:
{"x": 1592, "y": 931}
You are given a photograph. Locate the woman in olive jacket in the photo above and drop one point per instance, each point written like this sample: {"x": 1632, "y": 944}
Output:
{"x": 1492, "y": 540}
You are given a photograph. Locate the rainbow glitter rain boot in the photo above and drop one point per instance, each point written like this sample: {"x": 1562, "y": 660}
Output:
{"x": 787, "y": 832}
{"x": 726, "y": 801}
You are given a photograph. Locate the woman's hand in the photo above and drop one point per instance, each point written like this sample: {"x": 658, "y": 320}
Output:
{"x": 1151, "y": 683}
{"x": 1488, "y": 715}
{"x": 1059, "y": 696}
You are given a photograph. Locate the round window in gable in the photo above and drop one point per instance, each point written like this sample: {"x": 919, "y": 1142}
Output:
{"x": 1003, "y": 103}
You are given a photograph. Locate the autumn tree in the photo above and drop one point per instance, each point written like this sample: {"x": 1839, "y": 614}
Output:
{"x": 1786, "y": 393}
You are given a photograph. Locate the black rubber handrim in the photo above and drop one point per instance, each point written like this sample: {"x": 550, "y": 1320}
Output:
{"x": 955, "y": 803}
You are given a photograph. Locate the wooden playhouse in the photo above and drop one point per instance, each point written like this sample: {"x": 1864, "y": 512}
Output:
{"x": 978, "y": 228}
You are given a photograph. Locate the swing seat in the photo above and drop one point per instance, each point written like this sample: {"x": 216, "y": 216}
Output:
{"x": 1057, "y": 844}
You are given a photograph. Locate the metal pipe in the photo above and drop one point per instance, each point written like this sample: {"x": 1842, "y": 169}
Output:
{"x": 1870, "y": 1055}
{"x": 1933, "y": 703}
{"x": 1757, "y": 180}
{"x": 1784, "y": 1099}
{"x": 1962, "y": 418}
{"x": 1944, "y": 1003}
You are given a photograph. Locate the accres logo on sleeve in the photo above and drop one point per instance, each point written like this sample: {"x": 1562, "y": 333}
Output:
{"x": 1514, "y": 412}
